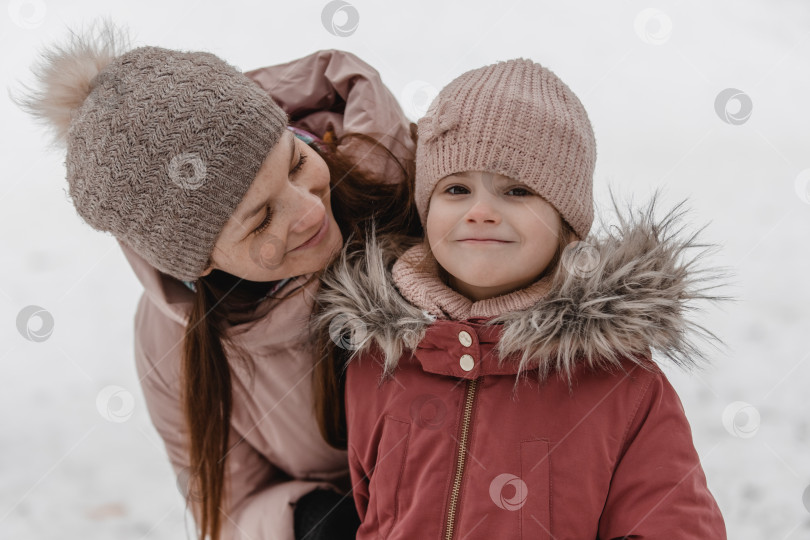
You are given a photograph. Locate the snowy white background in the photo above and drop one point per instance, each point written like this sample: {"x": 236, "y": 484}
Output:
{"x": 648, "y": 73}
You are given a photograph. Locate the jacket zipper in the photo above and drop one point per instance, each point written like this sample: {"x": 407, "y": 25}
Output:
{"x": 462, "y": 450}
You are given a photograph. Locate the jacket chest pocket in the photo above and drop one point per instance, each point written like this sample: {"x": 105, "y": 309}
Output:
{"x": 387, "y": 475}
{"x": 535, "y": 472}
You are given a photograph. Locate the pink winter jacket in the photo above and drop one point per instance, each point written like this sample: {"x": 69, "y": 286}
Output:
{"x": 443, "y": 448}
{"x": 280, "y": 454}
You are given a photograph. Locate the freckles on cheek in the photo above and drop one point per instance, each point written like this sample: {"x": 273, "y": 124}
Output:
{"x": 266, "y": 253}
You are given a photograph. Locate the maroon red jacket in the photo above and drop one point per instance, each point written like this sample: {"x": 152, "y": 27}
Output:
{"x": 445, "y": 441}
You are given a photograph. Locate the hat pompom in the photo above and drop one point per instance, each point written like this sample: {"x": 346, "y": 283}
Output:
{"x": 65, "y": 73}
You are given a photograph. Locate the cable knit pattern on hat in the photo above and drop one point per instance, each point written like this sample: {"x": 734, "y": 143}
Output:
{"x": 162, "y": 145}
{"x": 515, "y": 118}
{"x": 426, "y": 290}
{"x": 163, "y": 150}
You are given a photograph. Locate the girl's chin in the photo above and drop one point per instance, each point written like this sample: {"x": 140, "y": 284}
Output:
{"x": 478, "y": 281}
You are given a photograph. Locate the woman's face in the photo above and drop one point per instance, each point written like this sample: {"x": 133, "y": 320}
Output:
{"x": 283, "y": 226}
{"x": 517, "y": 231}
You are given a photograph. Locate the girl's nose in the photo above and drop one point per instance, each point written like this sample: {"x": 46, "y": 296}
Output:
{"x": 483, "y": 210}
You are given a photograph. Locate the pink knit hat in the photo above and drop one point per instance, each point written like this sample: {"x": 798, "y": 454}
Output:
{"x": 515, "y": 118}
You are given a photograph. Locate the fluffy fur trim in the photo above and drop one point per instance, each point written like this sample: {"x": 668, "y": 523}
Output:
{"x": 64, "y": 75}
{"x": 360, "y": 307}
{"x": 623, "y": 291}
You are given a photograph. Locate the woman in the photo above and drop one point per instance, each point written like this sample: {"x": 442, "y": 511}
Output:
{"x": 228, "y": 205}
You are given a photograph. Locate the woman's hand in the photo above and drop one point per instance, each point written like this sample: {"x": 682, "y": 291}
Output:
{"x": 324, "y": 513}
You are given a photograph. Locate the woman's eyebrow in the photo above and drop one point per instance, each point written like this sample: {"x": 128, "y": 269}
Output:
{"x": 261, "y": 206}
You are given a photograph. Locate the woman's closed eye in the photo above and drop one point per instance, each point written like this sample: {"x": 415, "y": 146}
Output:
{"x": 299, "y": 165}
{"x": 263, "y": 225}
{"x": 269, "y": 214}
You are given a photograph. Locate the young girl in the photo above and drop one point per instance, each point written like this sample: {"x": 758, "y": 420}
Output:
{"x": 500, "y": 382}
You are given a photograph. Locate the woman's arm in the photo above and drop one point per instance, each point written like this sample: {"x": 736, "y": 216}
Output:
{"x": 337, "y": 87}
{"x": 658, "y": 489}
{"x": 262, "y": 497}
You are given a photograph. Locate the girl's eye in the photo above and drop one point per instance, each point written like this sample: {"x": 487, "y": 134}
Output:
{"x": 454, "y": 187}
{"x": 268, "y": 216}
{"x": 526, "y": 192}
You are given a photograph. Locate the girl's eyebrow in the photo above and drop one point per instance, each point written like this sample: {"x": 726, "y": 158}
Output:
{"x": 450, "y": 177}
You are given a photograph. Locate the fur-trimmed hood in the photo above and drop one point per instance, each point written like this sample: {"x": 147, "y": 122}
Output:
{"x": 626, "y": 289}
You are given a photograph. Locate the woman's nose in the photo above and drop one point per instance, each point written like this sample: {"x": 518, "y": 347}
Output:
{"x": 309, "y": 208}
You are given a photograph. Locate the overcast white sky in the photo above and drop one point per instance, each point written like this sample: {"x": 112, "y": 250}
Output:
{"x": 649, "y": 74}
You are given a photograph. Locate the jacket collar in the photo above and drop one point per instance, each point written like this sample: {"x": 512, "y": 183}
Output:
{"x": 421, "y": 285}
{"x": 623, "y": 291}
{"x": 462, "y": 349}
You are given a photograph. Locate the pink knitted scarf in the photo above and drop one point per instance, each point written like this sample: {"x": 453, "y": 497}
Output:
{"x": 426, "y": 290}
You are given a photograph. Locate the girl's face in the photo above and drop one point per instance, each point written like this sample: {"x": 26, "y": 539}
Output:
{"x": 491, "y": 233}
{"x": 283, "y": 226}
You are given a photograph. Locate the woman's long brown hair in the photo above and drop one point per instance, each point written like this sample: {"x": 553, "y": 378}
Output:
{"x": 222, "y": 300}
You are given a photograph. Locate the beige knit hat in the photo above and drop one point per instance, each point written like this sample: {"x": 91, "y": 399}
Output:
{"x": 515, "y": 118}
{"x": 161, "y": 145}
